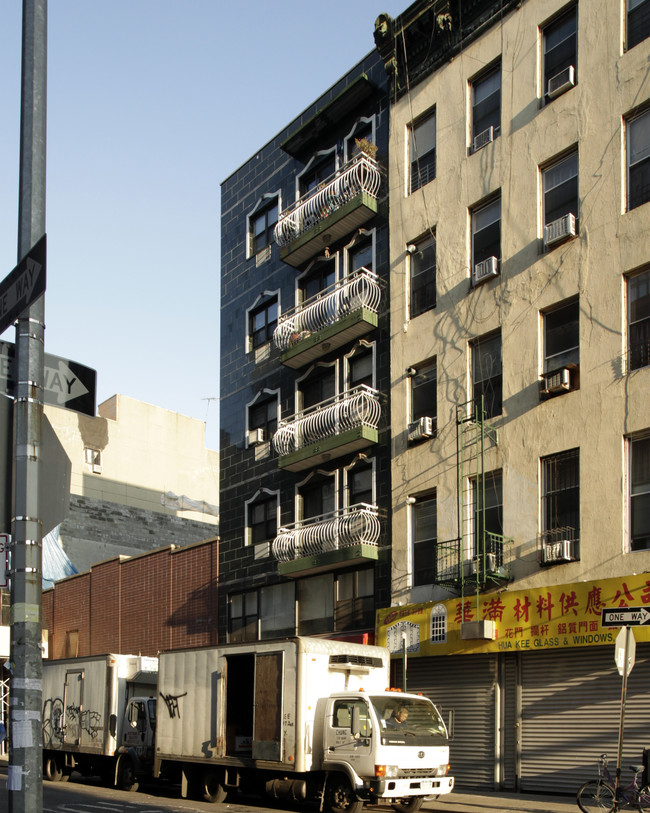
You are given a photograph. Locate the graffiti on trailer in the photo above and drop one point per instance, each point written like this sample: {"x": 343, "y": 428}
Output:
{"x": 56, "y": 724}
{"x": 171, "y": 701}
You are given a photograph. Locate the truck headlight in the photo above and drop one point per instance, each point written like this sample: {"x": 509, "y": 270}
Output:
{"x": 387, "y": 771}
{"x": 442, "y": 770}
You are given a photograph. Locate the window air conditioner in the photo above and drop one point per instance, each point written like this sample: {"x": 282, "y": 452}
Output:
{"x": 562, "y": 81}
{"x": 561, "y": 551}
{"x": 255, "y": 436}
{"x": 486, "y": 269}
{"x": 482, "y": 139}
{"x": 559, "y": 381}
{"x": 421, "y": 429}
{"x": 558, "y": 230}
{"x": 476, "y": 566}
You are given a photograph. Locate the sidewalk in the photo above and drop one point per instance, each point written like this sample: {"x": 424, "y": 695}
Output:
{"x": 482, "y": 802}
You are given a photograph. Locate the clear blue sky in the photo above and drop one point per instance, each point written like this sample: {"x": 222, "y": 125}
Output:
{"x": 151, "y": 104}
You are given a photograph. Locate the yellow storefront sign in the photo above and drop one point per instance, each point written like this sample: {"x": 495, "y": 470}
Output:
{"x": 567, "y": 615}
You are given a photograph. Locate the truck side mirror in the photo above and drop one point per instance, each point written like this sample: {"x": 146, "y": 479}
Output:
{"x": 355, "y": 723}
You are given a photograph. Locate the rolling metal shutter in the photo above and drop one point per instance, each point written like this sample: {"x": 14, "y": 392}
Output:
{"x": 463, "y": 688}
{"x": 571, "y": 702}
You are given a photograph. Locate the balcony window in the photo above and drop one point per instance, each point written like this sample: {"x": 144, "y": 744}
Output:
{"x": 561, "y": 496}
{"x": 361, "y": 484}
{"x": 317, "y": 387}
{"x": 355, "y": 600}
{"x": 486, "y": 108}
{"x": 360, "y": 256}
{"x": 638, "y": 22}
{"x": 640, "y": 493}
{"x": 560, "y": 191}
{"x": 316, "y": 605}
{"x": 242, "y": 616}
{"x": 317, "y": 172}
{"x": 638, "y": 160}
{"x": 424, "y": 396}
{"x": 638, "y": 305}
{"x": 486, "y": 239}
{"x": 423, "y": 276}
{"x": 317, "y": 496}
{"x": 422, "y": 152}
{"x": 560, "y": 54}
{"x": 487, "y": 375}
{"x": 262, "y": 224}
{"x": 277, "y": 611}
{"x": 361, "y": 369}
{"x": 561, "y": 336}
{"x": 262, "y": 321}
{"x": 424, "y": 524}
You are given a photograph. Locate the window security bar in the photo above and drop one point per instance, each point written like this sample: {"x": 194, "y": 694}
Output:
{"x": 340, "y": 529}
{"x": 361, "y": 289}
{"x": 361, "y": 174}
{"x": 353, "y": 408}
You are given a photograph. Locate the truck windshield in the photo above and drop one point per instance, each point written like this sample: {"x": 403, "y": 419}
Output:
{"x": 407, "y": 721}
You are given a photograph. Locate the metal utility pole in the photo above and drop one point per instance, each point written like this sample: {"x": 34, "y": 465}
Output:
{"x": 24, "y": 782}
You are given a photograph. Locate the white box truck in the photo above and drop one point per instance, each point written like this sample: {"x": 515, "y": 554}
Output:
{"x": 299, "y": 718}
{"x": 85, "y": 724}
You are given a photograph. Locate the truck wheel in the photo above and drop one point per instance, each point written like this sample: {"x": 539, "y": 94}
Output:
{"x": 126, "y": 776}
{"x": 211, "y": 787}
{"x": 339, "y": 797}
{"x": 52, "y": 768}
{"x": 409, "y": 805}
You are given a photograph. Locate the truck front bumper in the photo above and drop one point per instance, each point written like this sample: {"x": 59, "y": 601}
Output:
{"x": 401, "y": 788}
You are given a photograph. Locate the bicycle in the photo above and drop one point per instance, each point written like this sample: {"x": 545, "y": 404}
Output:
{"x": 600, "y": 794}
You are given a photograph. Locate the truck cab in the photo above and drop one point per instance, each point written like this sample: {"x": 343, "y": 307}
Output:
{"x": 391, "y": 746}
{"x": 139, "y": 730}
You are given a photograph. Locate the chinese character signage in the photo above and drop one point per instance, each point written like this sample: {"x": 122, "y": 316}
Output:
{"x": 567, "y": 615}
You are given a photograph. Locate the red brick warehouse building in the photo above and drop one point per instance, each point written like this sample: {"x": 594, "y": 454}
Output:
{"x": 163, "y": 599}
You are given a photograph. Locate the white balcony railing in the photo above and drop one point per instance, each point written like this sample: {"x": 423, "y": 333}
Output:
{"x": 341, "y": 529}
{"x": 361, "y": 289}
{"x": 351, "y": 409}
{"x": 361, "y": 174}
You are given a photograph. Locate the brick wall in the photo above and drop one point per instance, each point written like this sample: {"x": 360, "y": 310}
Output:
{"x": 141, "y": 605}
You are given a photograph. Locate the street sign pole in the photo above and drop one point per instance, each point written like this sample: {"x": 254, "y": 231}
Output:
{"x": 624, "y": 658}
{"x": 24, "y": 782}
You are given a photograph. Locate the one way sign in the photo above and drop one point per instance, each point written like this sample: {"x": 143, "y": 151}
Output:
{"x": 23, "y": 285}
{"x": 625, "y": 617}
{"x": 66, "y": 384}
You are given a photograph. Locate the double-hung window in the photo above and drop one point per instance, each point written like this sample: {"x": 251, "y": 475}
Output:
{"x": 487, "y": 376}
{"x": 424, "y": 385}
{"x": 561, "y": 499}
{"x": 640, "y": 493}
{"x": 560, "y": 54}
{"x": 355, "y": 600}
{"x": 638, "y": 307}
{"x": 638, "y": 160}
{"x": 262, "y": 225}
{"x": 423, "y": 277}
{"x": 422, "y": 154}
{"x": 316, "y": 605}
{"x": 486, "y": 108}
{"x": 561, "y": 347}
{"x": 262, "y": 322}
{"x": 560, "y": 192}
{"x": 262, "y": 518}
{"x": 424, "y": 524}
{"x": 277, "y": 611}
{"x": 638, "y": 22}
{"x": 262, "y": 419}
{"x": 486, "y": 240}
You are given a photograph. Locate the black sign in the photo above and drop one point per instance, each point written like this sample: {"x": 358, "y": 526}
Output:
{"x": 66, "y": 383}
{"x": 625, "y": 617}
{"x": 23, "y": 285}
